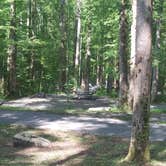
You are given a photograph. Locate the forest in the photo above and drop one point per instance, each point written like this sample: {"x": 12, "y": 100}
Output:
{"x": 87, "y": 48}
{"x": 56, "y": 46}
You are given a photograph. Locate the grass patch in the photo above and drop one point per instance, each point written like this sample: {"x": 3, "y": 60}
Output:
{"x": 111, "y": 113}
{"x": 66, "y": 111}
{"x": 71, "y": 149}
{"x": 10, "y": 108}
{"x": 155, "y": 110}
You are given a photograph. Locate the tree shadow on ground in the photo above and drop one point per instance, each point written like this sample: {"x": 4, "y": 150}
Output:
{"x": 73, "y": 149}
{"x": 109, "y": 151}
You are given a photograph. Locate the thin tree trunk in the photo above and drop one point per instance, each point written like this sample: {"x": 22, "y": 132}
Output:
{"x": 12, "y": 52}
{"x": 155, "y": 69}
{"x": 109, "y": 83}
{"x": 63, "y": 47}
{"x": 2, "y": 74}
{"x": 31, "y": 34}
{"x": 155, "y": 79}
{"x": 99, "y": 79}
{"x": 123, "y": 82}
{"x": 141, "y": 70}
{"x": 78, "y": 42}
{"x": 86, "y": 67}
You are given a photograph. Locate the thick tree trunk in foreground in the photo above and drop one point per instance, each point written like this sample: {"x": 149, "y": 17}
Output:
{"x": 123, "y": 67}
{"x": 141, "y": 75}
{"x": 12, "y": 52}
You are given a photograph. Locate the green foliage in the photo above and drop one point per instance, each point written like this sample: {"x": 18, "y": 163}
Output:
{"x": 46, "y": 42}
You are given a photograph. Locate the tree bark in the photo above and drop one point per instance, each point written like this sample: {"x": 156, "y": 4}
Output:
{"x": 99, "y": 79}
{"x": 31, "y": 34}
{"x": 141, "y": 75}
{"x": 86, "y": 67}
{"x": 63, "y": 47}
{"x": 123, "y": 67}
{"x": 155, "y": 68}
{"x": 78, "y": 43}
{"x": 12, "y": 52}
{"x": 155, "y": 79}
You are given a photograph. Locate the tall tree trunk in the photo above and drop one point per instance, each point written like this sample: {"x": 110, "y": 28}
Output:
{"x": 2, "y": 74}
{"x": 63, "y": 47}
{"x": 123, "y": 67}
{"x": 31, "y": 34}
{"x": 78, "y": 43}
{"x": 141, "y": 70}
{"x": 155, "y": 68}
{"x": 109, "y": 83}
{"x": 133, "y": 55}
{"x": 29, "y": 19}
{"x": 155, "y": 79}
{"x": 86, "y": 67}
{"x": 12, "y": 52}
{"x": 99, "y": 79}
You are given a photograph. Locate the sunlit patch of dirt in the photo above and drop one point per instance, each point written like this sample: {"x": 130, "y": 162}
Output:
{"x": 66, "y": 145}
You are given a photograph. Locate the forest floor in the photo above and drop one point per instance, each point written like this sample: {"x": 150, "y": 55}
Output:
{"x": 72, "y": 149}
{"x": 69, "y": 116}
{"x": 83, "y": 133}
{"x": 63, "y": 104}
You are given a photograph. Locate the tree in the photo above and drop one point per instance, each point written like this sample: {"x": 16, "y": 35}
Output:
{"x": 86, "y": 66}
{"x": 63, "y": 47}
{"x": 31, "y": 24}
{"x": 78, "y": 42}
{"x": 123, "y": 66}
{"x": 157, "y": 47}
{"x": 12, "y": 52}
{"x": 141, "y": 77}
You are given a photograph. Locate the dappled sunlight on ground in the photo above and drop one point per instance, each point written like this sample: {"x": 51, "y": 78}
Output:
{"x": 67, "y": 145}
{"x": 71, "y": 149}
{"x": 58, "y": 102}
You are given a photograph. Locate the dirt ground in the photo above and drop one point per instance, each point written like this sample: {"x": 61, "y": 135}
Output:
{"x": 60, "y": 102}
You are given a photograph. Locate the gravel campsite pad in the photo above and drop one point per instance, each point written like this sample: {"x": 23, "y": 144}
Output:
{"x": 60, "y": 102}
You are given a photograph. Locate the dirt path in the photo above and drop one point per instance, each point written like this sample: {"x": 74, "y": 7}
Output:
{"x": 92, "y": 125}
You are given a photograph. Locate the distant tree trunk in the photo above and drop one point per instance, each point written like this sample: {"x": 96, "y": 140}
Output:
{"x": 78, "y": 43}
{"x": 29, "y": 19}
{"x": 141, "y": 75}
{"x": 123, "y": 67}
{"x": 63, "y": 47}
{"x": 109, "y": 83}
{"x": 155, "y": 68}
{"x": 2, "y": 76}
{"x": 31, "y": 34}
{"x": 12, "y": 52}
{"x": 155, "y": 79}
{"x": 99, "y": 79}
{"x": 86, "y": 66}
